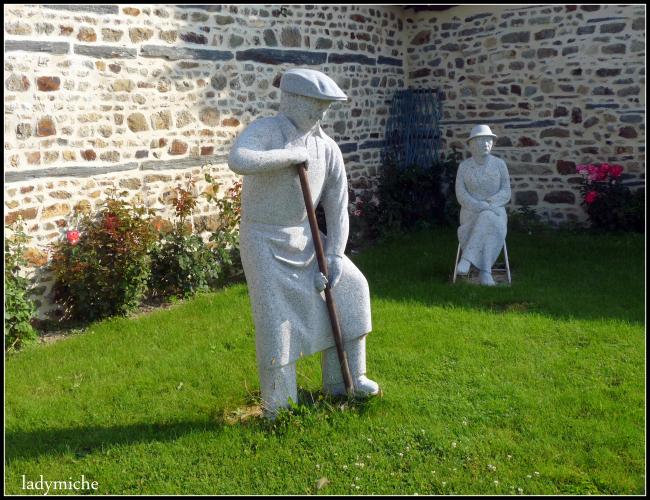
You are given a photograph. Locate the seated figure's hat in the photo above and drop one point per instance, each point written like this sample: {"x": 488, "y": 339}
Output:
{"x": 311, "y": 83}
{"x": 480, "y": 130}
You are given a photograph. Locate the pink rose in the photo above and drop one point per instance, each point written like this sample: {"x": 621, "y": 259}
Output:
{"x": 591, "y": 196}
{"x": 582, "y": 168}
{"x": 72, "y": 236}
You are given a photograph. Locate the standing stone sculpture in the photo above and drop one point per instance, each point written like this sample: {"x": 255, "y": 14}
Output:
{"x": 483, "y": 190}
{"x": 278, "y": 256}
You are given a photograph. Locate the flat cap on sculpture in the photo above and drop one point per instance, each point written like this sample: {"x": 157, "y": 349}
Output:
{"x": 311, "y": 83}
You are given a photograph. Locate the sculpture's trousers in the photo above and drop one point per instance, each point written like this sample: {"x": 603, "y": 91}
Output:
{"x": 278, "y": 385}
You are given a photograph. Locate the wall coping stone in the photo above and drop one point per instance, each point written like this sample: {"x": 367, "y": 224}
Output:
{"x": 97, "y": 9}
{"x": 176, "y": 53}
{"x": 34, "y": 46}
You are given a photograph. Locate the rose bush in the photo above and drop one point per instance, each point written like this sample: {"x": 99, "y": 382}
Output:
{"x": 609, "y": 204}
{"x": 102, "y": 266}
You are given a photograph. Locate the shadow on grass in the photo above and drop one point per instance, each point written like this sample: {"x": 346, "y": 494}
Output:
{"x": 84, "y": 440}
{"x": 312, "y": 407}
{"x": 556, "y": 273}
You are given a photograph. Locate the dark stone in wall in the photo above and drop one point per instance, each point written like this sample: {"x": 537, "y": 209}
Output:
{"x": 450, "y": 47}
{"x": 527, "y": 142}
{"x": 476, "y": 16}
{"x": 193, "y": 38}
{"x": 568, "y": 197}
{"x": 420, "y": 73}
{"x": 224, "y": 20}
{"x": 290, "y": 36}
{"x": 353, "y": 58}
{"x": 545, "y": 34}
{"x": 104, "y": 51}
{"x": 348, "y": 148}
{"x": 628, "y": 132}
{"x": 576, "y": 115}
{"x": 324, "y": 43}
{"x": 560, "y": 111}
{"x": 612, "y": 28}
{"x": 176, "y": 53}
{"x": 617, "y": 48}
{"x": 277, "y": 56}
{"x": 586, "y": 30}
{"x": 421, "y": 38}
{"x": 555, "y": 132}
{"x": 631, "y": 118}
{"x": 391, "y": 61}
{"x": 518, "y": 37}
{"x": 48, "y": 83}
{"x": 271, "y": 41}
{"x": 372, "y": 144}
{"x": 544, "y": 53}
{"x": 566, "y": 167}
{"x": 605, "y": 72}
{"x": 526, "y": 198}
{"x": 497, "y": 106}
{"x": 207, "y": 8}
{"x": 31, "y": 46}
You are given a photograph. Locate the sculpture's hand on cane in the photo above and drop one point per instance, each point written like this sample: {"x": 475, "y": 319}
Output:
{"x": 335, "y": 271}
{"x": 297, "y": 153}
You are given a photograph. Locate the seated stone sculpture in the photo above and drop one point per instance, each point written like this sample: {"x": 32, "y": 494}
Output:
{"x": 278, "y": 255}
{"x": 483, "y": 190}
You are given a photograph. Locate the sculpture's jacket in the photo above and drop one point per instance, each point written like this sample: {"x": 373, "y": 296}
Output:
{"x": 290, "y": 315}
{"x": 482, "y": 232}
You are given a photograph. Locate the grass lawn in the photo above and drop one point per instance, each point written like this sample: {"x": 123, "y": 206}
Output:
{"x": 537, "y": 388}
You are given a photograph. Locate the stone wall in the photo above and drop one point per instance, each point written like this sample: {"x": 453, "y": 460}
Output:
{"x": 560, "y": 85}
{"x": 140, "y": 98}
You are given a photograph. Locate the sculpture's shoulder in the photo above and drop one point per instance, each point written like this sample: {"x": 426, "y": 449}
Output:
{"x": 261, "y": 132}
{"x": 265, "y": 123}
{"x": 498, "y": 161}
{"x": 467, "y": 162}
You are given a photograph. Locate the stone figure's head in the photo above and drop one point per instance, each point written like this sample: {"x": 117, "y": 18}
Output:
{"x": 481, "y": 140}
{"x": 306, "y": 95}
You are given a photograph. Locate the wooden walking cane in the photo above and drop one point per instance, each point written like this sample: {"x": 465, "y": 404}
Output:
{"x": 322, "y": 264}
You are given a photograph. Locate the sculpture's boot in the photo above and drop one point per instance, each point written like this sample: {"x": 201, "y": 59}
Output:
{"x": 278, "y": 386}
{"x": 485, "y": 278}
{"x": 333, "y": 379}
{"x": 463, "y": 266}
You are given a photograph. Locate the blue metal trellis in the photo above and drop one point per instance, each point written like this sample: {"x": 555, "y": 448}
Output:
{"x": 413, "y": 134}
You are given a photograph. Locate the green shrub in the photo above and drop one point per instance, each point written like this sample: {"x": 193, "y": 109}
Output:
{"x": 102, "y": 267}
{"x": 225, "y": 236}
{"x": 182, "y": 264}
{"x": 526, "y": 220}
{"x": 409, "y": 196}
{"x": 19, "y": 309}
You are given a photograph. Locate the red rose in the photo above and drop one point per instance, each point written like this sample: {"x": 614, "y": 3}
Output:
{"x": 591, "y": 196}
{"x": 72, "y": 236}
{"x": 615, "y": 171}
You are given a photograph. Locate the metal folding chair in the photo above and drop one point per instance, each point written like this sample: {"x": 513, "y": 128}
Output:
{"x": 505, "y": 256}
